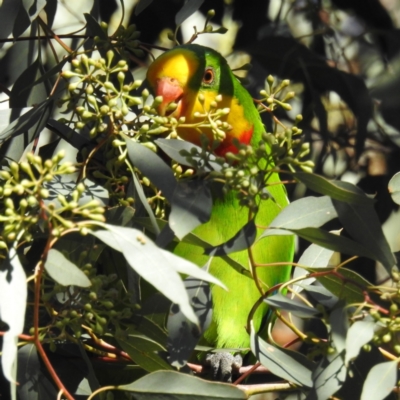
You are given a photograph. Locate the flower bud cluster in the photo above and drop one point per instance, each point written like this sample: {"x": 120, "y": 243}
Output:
{"x": 125, "y": 41}
{"x": 105, "y": 303}
{"x": 99, "y": 94}
{"x": 26, "y": 194}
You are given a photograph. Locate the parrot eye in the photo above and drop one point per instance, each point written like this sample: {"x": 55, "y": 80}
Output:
{"x": 208, "y": 76}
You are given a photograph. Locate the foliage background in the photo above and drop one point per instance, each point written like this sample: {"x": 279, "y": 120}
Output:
{"x": 343, "y": 62}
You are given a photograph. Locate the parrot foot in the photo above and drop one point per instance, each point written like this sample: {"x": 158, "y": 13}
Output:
{"x": 222, "y": 365}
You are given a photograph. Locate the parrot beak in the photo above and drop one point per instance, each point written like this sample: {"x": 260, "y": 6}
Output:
{"x": 172, "y": 93}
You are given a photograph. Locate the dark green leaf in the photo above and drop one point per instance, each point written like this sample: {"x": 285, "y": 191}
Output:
{"x": 360, "y": 333}
{"x": 141, "y": 5}
{"x": 24, "y": 122}
{"x": 64, "y": 271}
{"x": 33, "y": 384}
{"x": 28, "y": 12}
{"x": 334, "y": 242}
{"x": 345, "y": 284}
{"x": 153, "y": 167}
{"x": 381, "y": 380}
{"x": 328, "y": 377}
{"x": 333, "y": 189}
{"x": 339, "y": 326}
{"x": 190, "y": 7}
{"x": 315, "y": 257}
{"x": 175, "y": 385}
{"x": 143, "y": 351}
{"x": 183, "y": 335}
{"x": 284, "y": 303}
{"x": 140, "y": 252}
{"x": 321, "y": 295}
{"x": 306, "y": 212}
{"x": 24, "y": 93}
{"x": 279, "y": 362}
{"x": 362, "y": 223}
{"x": 174, "y": 149}
{"x": 191, "y": 206}
{"x": 241, "y": 241}
{"x": 394, "y": 188}
{"x": 8, "y": 14}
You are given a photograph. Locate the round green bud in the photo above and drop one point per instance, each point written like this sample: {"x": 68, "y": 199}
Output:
{"x": 87, "y": 307}
{"x": 93, "y": 295}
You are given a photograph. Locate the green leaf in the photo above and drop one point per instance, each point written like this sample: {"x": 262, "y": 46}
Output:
{"x": 394, "y": 188}
{"x": 191, "y": 206}
{"x": 152, "y": 167}
{"x": 349, "y": 287}
{"x": 334, "y": 242}
{"x": 360, "y": 333}
{"x": 294, "y": 307}
{"x": 174, "y": 385}
{"x": 190, "y": 7}
{"x": 8, "y": 14}
{"x": 333, "y": 189}
{"x": 380, "y": 381}
{"x": 182, "y": 334}
{"x": 175, "y": 148}
{"x": 63, "y": 271}
{"x": 142, "y": 350}
{"x": 33, "y": 383}
{"x": 338, "y": 326}
{"x": 328, "y": 377}
{"x": 13, "y": 296}
{"x": 159, "y": 267}
{"x": 304, "y": 213}
{"x": 315, "y": 257}
{"x": 24, "y": 93}
{"x": 279, "y": 362}
{"x": 142, "y": 5}
{"x": 24, "y": 122}
{"x": 363, "y": 225}
{"x": 27, "y": 13}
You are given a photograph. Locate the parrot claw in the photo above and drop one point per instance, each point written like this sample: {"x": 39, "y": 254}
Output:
{"x": 222, "y": 365}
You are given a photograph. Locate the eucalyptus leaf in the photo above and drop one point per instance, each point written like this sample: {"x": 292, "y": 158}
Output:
{"x": 362, "y": 223}
{"x": 304, "y": 213}
{"x": 294, "y": 307}
{"x": 328, "y": 377}
{"x": 339, "y": 326}
{"x": 279, "y": 362}
{"x": 143, "y": 351}
{"x": 175, "y": 385}
{"x": 359, "y": 334}
{"x": 314, "y": 256}
{"x": 191, "y": 206}
{"x": 155, "y": 265}
{"x": 344, "y": 284}
{"x": 189, "y": 7}
{"x": 394, "y": 188}
{"x": 152, "y": 167}
{"x": 33, "y": 383}
{"x": 333, "y": 189}
{"x": 183, "y": 335}
{"x": 381, "y": 380}
{"x": 63, "y": 271}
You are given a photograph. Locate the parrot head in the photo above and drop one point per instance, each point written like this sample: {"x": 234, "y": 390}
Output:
{"x": 180, "y": 75}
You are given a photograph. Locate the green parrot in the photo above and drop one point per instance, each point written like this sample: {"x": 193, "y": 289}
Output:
{"x": 180, "y": 75}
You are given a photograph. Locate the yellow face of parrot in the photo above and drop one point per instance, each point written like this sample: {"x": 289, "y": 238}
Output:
{"x": 180, "y": 75}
